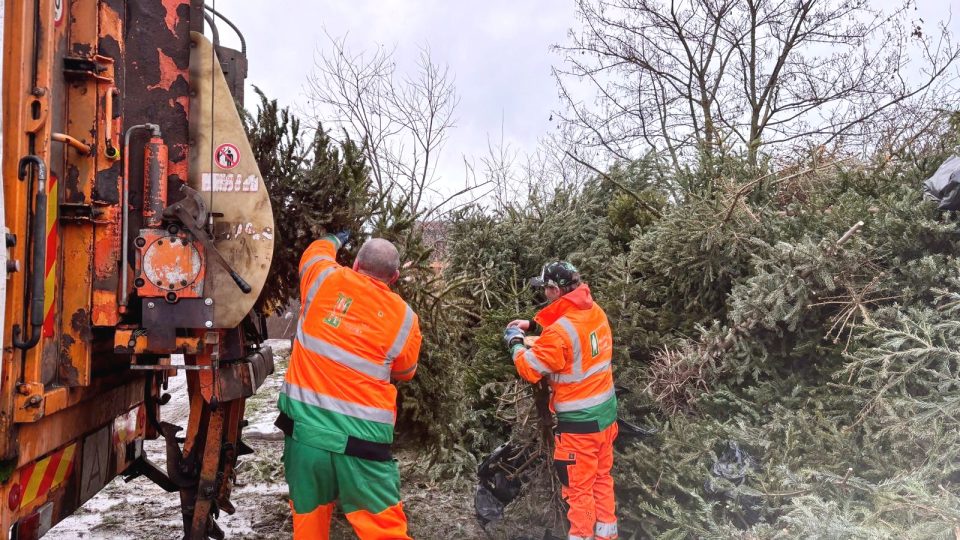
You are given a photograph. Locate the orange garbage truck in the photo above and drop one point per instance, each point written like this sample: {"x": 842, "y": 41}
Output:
{"x": 137, "y": 229}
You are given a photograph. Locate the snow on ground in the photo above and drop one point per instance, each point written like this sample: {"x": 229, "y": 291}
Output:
{"x": 139, "y": 510}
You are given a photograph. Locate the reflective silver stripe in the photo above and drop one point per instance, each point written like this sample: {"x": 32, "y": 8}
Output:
{"x": 310, "y": 294}
{"x": 315, "y": 286}
{"x": 534, "y": 363}
{"x": 314, "y": 260}
{"x": 401, "y": 338}
{"x": 605, "y": 529}
{"x": 363, "y": 412}
{"x": 575, "y": 537}
{"x": 342, "y": 357}
{"x": 404, "y": 372}
{"x": 580, "y": 404}
{"x": 575, "y": 343}
{"x": 573, "y": 377}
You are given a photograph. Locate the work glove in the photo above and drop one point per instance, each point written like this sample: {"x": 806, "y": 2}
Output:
{"x": 343, "y": 237}
{"x": 522, "y": 324}
{"x": 512, "y": 337}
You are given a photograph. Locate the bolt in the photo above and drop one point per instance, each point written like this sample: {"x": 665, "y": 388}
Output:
{"x": 208, "y": 324}
{"x": 208, "y": 301}
{"x": 151, "y": 305}
{"x": 13, "y": 265}
{"x": 140, "y": 241}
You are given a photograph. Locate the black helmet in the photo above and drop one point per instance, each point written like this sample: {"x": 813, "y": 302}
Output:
{"x": 559, "y": 274}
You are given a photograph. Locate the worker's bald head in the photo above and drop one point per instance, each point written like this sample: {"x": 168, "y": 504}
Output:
{"x": 379, "y": 259}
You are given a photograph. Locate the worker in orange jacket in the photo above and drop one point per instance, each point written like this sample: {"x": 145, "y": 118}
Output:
{"x": 574, "y": 351}
{"x": 338, "y": 405}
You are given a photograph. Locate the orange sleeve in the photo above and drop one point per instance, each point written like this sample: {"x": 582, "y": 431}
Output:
{"x": 545, "y": 357}
{"x": 405, "y": 366}
{"x": 319, "y": 255}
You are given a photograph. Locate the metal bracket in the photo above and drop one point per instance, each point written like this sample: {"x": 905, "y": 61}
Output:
{"x": 87, "y": 68}
{"x": 145, "y": 467}
{"x": 192, "y": 213}
{"x": 28, "y": 402}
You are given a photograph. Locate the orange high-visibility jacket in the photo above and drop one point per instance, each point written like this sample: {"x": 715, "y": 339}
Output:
{"x": 353, "y": 336}
{"x": 574, "y": 351}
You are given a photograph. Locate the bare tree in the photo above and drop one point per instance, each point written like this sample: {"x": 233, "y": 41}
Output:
{"x": 694, "y": 79}
{"x": 402, "y": 121}
{"x": 508, "y": 175}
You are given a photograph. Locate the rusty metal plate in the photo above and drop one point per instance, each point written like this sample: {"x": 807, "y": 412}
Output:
{"x": 224, "y": 172}
{"x": 96, "y": 468}
{"x": 185, "y": 313}
{"x": 168, "y": 265}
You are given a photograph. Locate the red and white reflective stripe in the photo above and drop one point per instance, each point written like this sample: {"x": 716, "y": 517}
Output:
{"x": 44, "y": 475}
{"x": 606, "y": 530}
{"x": 53, "y": 243}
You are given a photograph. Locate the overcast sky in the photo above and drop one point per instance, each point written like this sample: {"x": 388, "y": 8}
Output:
{"x": 498, "y": 51}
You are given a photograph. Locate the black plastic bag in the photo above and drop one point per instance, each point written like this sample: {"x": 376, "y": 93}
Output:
{"x": 488, "y": 507}
{"x": 728, "y": 473}
{"x": 629, "y": 430}
{"x": 498, "y": 484}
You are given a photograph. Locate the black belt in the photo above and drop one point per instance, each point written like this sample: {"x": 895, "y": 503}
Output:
{"x": 566, "y": 426}
{"x": 358, "y": 448}
{"x": 363, "y": 449}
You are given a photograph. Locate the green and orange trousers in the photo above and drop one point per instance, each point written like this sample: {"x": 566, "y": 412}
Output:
{"x": 368, "y": 492}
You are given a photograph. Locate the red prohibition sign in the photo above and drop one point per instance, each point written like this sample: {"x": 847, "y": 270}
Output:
{"x": 227, "y": 156}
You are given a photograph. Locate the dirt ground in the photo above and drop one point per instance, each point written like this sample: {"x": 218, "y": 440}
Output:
{"x": 139, "y": 510}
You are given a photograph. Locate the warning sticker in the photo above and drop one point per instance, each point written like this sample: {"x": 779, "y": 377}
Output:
{"x": 229, "y": 182}
{"x": 58, "y": 11}
{"x": 227, "y": 156}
